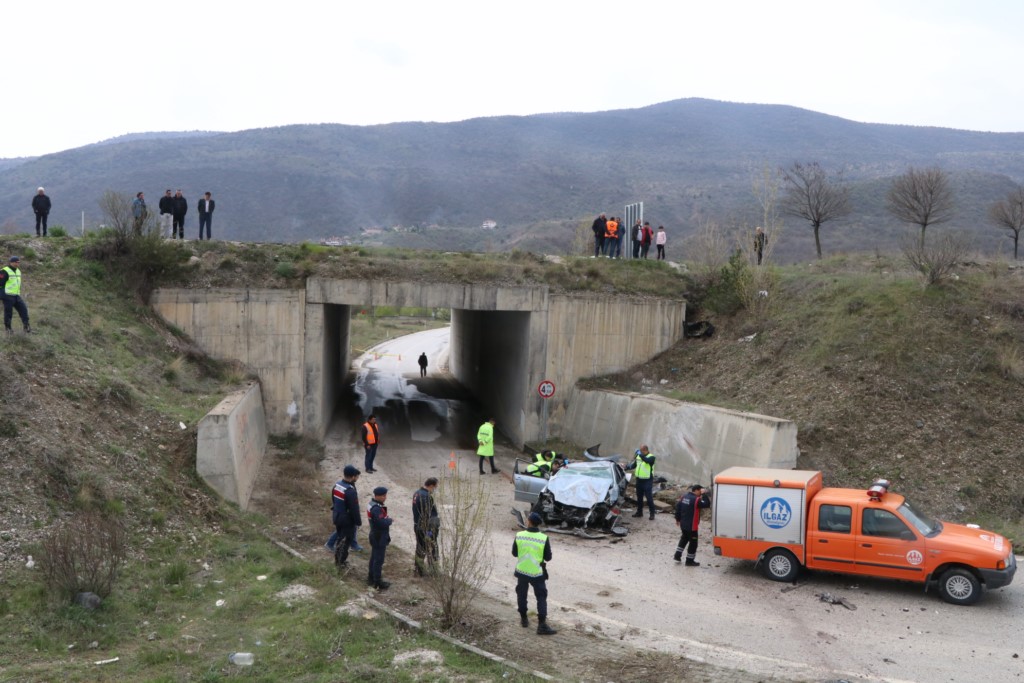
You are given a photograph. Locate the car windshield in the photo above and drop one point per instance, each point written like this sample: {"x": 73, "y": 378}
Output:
{"x": 921, "y": 521}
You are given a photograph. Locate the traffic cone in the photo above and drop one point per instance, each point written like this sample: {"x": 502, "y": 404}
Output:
{"x": 451, "y": 462}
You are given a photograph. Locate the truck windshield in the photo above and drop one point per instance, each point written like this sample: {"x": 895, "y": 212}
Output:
{"x": 922, "y": 522}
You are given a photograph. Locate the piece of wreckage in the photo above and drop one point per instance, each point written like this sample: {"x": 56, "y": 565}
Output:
{"x": 580, "y": 499}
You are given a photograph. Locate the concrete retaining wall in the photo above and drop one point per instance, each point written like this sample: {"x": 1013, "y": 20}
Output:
{"x": 231, "y": 443}
{"x": 692, "y": 441}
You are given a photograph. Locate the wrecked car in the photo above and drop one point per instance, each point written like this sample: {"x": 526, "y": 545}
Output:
{"x": 578, "y": 497}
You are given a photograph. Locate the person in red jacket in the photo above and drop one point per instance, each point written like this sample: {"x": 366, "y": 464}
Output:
{"x": 688, "y": 519}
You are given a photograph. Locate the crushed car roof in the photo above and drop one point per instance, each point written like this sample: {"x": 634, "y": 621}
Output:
{"x": 582, "y": 484}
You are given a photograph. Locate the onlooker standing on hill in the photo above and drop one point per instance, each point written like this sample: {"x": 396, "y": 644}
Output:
{"x": 139, "y": 213}
{"x": 10, "y": 291}
{"x": 659, "y": 241}
{"x": 611, "y": 237}
{"x": 166, "y": 213}
{"x": 178, "y": 215}
{"x": 206, "y": 206}
{"x": 41, "y": 207}
{"x": 619, "y": 239}
{"x": 599, "y": 226}
{"x": 637, "y": 236}
{"x": 759, "y": 241}
{"x": 645, "y": 239}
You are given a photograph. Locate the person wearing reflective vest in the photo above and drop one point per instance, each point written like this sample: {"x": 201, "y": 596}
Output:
{"x": 688, "y": 509}
{"x": 541, "y": 465}
{"x": 533, "y": 549}
{"x": 371, "y": 439}
{"x": 485, "y": 445}
{"x": 10, "y": 291}
{"x": 643, "y": 465}
{"x": 611, "y": 237}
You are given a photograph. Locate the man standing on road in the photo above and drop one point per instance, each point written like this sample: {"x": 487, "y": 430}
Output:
{"x": 423, "y": 364}
{"x": 600, "y": 223}
{"x": 485, "y": 445}
{"x": 371, "y": 439}
{"x": 644, "y": 466}
{"x": 166, "y": 207}
{"x": 425, "y": 524}
{"x": 178, "y": 215}
{"x": 380, "y": 537}
{"x": 10, "y": 291}
{"x": 346, "y": 515}
{"x": 41, "y": 207}
{"x": 688, "y": 510}
{"x": 533, "y": 549}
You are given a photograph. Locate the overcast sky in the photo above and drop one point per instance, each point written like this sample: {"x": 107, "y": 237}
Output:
{"x": 80, "y": 72}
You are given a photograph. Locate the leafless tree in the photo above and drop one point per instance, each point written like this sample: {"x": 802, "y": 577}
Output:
{"x": 1009, "y": 214}
{"x": 938, "y": 261}
{"x": 812, "y": 196}
{"x": 923, "y": 197}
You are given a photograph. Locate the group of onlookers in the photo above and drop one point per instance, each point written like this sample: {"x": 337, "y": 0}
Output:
{"x": 609, "y": 234}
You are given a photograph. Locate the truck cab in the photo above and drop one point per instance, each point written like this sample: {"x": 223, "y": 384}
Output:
{"x": 864, "y": 532}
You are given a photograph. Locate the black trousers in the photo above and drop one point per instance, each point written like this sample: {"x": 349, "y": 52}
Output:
{"x": 13, "y": 302}
{"x": 540, "y": 591}
{"x": 378, "y": 548}
{"x": 178, "y": 227}
{"x": 688, "y": 542}
{"x": 41, "y": 220}
{"x": 645, "y": 487}
{"x": 346, "y": 534}
{"x": 205, "y": 219}
{"x": 426, "y": 550}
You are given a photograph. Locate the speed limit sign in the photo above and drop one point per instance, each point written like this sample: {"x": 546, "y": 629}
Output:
{"x": 546, "y": 389}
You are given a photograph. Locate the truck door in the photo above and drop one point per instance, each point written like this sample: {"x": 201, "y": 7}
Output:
{"x": 887, "y": 546}
{"x": 830, "y": 539}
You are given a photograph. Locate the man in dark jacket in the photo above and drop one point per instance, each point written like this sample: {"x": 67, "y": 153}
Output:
{"x": 206, "y": 206}
{"x": 688, "y": 519}
{"x": 599, "y": 227}
{"x": 380, "y": 537}
{"x": 166, "y": 207}
{"x": 426, "y": 524}
{"x": 180, "y": 208}
{"x": 41, "y": 207}
{"x": 345, "y": 514}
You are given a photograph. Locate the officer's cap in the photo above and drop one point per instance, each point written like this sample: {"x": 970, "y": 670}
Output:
{"x": 535, "y": 519}
{"x": 15, "y": 259}
{"x": 380, "y": 491}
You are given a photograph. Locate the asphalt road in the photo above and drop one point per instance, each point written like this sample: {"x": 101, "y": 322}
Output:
{"x": 721, "y": 612}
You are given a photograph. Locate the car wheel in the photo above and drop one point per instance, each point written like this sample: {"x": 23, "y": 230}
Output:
{"x": 779, "y": 564}
{"x": 960, "y": 587}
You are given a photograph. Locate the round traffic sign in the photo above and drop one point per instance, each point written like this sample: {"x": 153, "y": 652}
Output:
{"x": 546, "y": 389}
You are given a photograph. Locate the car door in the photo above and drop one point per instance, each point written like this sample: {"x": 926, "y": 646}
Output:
{"x": 528, "y": 487}
{"x": 887, "y": 546}
{"x": 830, "y": 538}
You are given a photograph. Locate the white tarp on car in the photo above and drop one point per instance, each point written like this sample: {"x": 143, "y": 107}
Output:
{"x": 582, "y": 484}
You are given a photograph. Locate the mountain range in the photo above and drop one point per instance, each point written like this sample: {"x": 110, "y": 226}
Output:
{"x": 539, "y": 178}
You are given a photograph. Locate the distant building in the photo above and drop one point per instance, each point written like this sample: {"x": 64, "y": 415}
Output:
{"x": 489, "y": 224}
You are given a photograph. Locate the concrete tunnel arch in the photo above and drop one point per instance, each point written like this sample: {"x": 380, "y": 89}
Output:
{"x": 505, "y": 341}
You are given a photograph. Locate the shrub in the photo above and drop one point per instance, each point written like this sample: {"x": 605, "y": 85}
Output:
{"x": 58, "y": 231}
{"x": 936, "y": 260}
{"x": 83, "y": 553}
{"x": 285, "y": 269}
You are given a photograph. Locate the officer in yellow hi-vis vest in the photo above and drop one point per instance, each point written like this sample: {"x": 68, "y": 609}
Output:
{"x": 533, "y": 549}
{"x": 643, "y": 464}
{"x": 10, "y": 292}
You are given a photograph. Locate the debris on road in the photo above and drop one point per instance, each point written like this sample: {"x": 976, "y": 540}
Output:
{"x": 833, "y": 600}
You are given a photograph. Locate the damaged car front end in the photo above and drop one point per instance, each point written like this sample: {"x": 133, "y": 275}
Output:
{"x": 579, "y": 498}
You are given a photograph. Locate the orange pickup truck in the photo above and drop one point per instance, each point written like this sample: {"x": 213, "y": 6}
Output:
{"x": 786, "y": 519}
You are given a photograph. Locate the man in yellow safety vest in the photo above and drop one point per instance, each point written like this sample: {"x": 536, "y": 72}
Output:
{"x": 533, "y": 549}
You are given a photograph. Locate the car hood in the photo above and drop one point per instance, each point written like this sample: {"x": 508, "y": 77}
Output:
{"x": 582, "y": 484}
{"x": 960, "y": 537}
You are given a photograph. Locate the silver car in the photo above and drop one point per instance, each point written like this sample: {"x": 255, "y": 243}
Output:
{"x": 579, "y": 496}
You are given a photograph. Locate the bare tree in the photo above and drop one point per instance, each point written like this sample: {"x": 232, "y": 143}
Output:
{"x": 1009, "y": 214}
{"x": 812, "y": 196}
{"x": 922, "y": 196}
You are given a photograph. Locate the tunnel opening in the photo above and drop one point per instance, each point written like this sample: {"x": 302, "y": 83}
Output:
{"x": 477, "y": 368}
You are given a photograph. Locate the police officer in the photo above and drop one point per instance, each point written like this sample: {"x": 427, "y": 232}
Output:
{"x": 380, "y": 536}
{"x": 688, "y": 510}
{"x": 345, "y": 514}
{"x": 533, "y": 549}
{"x": 542, "y": 464}
{"x": 10, "y": 292}
{"x": 644, "y": 466}
{"x": 485, "y": 445}
{"x": 425, "y": 524}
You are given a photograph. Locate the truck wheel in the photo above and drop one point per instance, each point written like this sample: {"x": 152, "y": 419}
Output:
{"x": 960, "y": 587}
{"x": 780, "y": 565}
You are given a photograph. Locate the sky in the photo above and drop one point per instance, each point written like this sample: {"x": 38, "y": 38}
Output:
{"x": 80, "y": 72}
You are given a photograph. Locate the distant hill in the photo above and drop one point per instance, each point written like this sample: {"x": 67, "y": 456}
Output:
{"x": 538, "y": 177}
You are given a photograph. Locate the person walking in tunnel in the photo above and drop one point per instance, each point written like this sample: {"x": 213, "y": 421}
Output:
{"x": 380, "y": 537}
{"x": 371, "y": 439}
{"x": 688, "y": 509}
{"x": 533, "y": 550}
{"x": 426, "y": 524}
{"x": 644, "y": 466}
{"x": 423, "y": 364}
{"x": 485, "y": 445}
